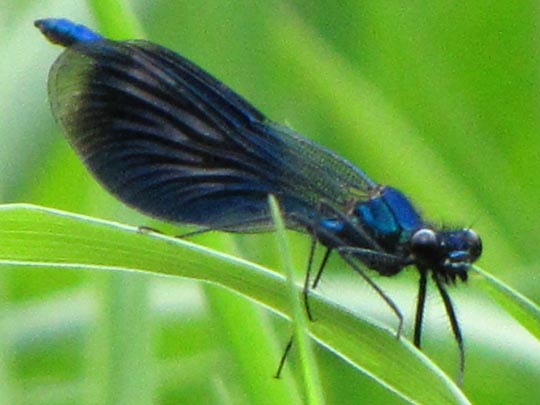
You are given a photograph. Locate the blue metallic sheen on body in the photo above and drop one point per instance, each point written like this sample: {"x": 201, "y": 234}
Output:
{"x": 333, "y": 225}
{"x": 406, "y": 215}
{"x": 456, "y": 241}
{"x": 64, "y": 32}
{"x": 170, "y": 140}
{"x": 177, "y": 144}
{"x": 459, "y": 255}
{"x": 390, "y": 213}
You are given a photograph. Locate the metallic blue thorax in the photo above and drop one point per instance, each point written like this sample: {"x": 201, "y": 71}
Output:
{"x": 389, "y": 216}
{"x": 388, "y": 220}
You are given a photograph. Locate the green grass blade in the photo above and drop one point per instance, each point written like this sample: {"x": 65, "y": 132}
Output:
{"x": 34, "y": 236}
{"x": 520, "y": 307}
{"x": 310, "y": 374}
{"x": 116, "y": 19}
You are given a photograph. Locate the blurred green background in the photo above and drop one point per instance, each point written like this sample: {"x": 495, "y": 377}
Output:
{"x": 439, "y": 99}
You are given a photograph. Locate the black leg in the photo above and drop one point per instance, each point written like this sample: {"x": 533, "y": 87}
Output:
{"x": 420, "y": 305}
{"x": 305, "y": 293}
{"x": 455, "y": 327}
{"x": 321, "y": 268}
{"x": 305, "y": 290}
{"x": 193, "y": 233}
{"x": 339, "y": 214}
{"x": 283, "y": 358}
{"x": 385, "y": 264}
{"x": 381, "y": 293}
{"x": 230, "y": 227}
{"x": 148, "y": 229}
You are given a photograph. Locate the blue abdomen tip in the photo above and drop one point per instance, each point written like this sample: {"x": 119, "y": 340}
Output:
{"x": 65, "y": 32}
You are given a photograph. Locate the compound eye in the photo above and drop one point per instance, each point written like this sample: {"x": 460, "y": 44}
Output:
{"x": 475, "y": 244}
{"x": 424, "y": 241}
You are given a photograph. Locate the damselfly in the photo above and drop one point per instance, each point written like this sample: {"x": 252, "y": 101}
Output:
{"x": 168, "y": 139}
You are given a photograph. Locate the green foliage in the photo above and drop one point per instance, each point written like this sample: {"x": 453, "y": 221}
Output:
{"x": 436, "y": 99}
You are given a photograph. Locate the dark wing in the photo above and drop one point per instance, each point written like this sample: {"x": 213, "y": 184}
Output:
{"x": 170, "y": 140}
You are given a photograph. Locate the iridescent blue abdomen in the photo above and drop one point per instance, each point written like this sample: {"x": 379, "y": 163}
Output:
{"x": 64, "y": 32}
